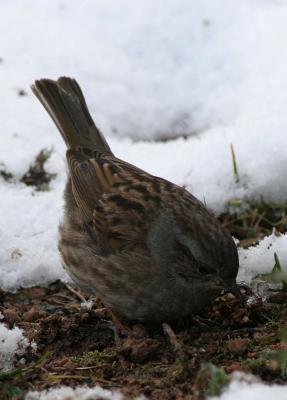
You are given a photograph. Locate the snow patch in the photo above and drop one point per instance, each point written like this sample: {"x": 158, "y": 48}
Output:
{"x": 248, "y": 387}
{"x": 12, "y": 344}
{"x": 79, "y": 393}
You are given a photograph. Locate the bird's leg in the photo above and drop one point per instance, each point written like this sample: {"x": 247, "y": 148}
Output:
{"x": 76, "y": 293}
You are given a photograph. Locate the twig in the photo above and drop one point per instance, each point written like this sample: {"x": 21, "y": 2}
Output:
{"x": 234, "y": 164}
{"x": 169, "y": 333}
{"x": 176, "y": 345}
{"x": 53, "y": 376}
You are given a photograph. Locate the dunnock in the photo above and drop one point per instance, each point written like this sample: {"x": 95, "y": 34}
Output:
{"x": 147, "y": 247}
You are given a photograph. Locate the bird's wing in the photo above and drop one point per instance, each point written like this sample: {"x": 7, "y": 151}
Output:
{"x": 126, "y": 209}
{"x": 117, "y": 200}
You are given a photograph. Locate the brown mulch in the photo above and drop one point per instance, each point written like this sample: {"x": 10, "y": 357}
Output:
{"x": 78, "y": 346}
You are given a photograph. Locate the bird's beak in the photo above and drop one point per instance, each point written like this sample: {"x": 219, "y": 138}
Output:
{"x": 234, "y": 289}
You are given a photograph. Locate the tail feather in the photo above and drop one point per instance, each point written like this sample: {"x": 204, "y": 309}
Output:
{"x": 65, "y": 103}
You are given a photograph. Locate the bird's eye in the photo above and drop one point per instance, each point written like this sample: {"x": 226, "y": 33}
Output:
{"x": 183, "y": 253}
{"x": 204, "y": 269}
{"x": 181, "y": 249}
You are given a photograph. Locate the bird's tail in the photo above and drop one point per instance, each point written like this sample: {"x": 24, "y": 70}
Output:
{"x": 66, "y": 105}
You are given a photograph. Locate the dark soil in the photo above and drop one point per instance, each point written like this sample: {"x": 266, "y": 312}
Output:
{"x": 77, "y": 346}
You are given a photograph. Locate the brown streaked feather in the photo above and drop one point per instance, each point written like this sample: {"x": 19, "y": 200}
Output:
{"x": 106, "y": 193}
{"x": 65, "y": 103}
{"x": 84, "y": 183}
{"x": 71, "y": 86}
{"x": 92, "y": 176}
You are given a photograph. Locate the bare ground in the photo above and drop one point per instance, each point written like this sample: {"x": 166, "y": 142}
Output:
{"x": 77, "y": 346}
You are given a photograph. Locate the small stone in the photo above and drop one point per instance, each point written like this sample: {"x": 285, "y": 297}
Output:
{"x": 33, "y": 314}
{"x": 11, "y": 316}
{"x": 237, "y": 345}
{"x": 216, "y": 315}
{"x": 233, "y": 367}
{"x": 16, "y": 253}
{"x": 22, "y": 92}
{"x": 37, "y": 293}
{"x": 139, "y": 351}
{"x": 230, "y": 296}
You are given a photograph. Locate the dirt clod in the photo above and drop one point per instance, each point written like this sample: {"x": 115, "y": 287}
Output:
{"x": 237, "y": 346}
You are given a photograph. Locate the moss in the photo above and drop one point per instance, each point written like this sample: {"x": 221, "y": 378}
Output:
{"x": 176, "y": 372}
{"x": 91, "y": 358}
{"x": 153, "y": 370}
{"x": 210, "y": 381}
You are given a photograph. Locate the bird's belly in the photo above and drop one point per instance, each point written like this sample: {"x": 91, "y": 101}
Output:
{"x": 131, "y": 284}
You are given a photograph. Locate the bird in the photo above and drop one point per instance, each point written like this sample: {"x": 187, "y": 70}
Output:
{"x": 148, "y": 248}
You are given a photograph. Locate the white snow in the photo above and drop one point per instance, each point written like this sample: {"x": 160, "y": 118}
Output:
{"x": 214, "y": 71}
{"x": 247, "y": 387}
{"x": 12, "y": 344}
{"x": 87, "y": 305}
{"x": 80, "y": 393}
{"x": 242, "y": 386}
{"x": 260, "y": 258}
